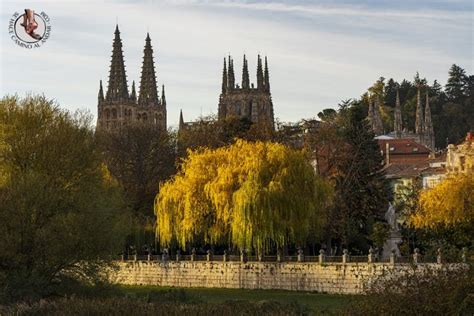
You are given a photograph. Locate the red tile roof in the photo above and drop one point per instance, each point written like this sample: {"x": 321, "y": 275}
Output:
{"x": 403, "y": 146}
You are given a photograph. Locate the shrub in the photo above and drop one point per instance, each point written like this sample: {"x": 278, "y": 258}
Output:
{"x": 433, "y": 292}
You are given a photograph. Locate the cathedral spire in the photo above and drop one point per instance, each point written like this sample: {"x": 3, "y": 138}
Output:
{"x": 370, "y": 113}
{"x": 101, "y": 92}
{"x": 260, "y": 84}
{"x": 117, "y": 89}
{"x": 398, "y": 117}
{"x": 148, "y": 90}
{"x": 245, "y": 75}
{"x": 378, "y": 125}
{"x": 267, "y": 76}
{"x": 181, "y": 119}
{"x": 224, "y": 77}
{"x": 419, "y": 115}
{"x": 231, "y": 76}
{"x": 428, "y": 128}
{"x": 133, "y": 94}
{"x": 163, "y": 97}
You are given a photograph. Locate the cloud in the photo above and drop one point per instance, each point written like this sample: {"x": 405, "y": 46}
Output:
{"x": 318, "y": 54}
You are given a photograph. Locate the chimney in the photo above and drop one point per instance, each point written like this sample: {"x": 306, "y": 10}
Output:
{"x": 387, "y": 153}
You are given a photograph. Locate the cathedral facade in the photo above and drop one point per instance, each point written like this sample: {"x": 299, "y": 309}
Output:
{"x": 247, "y": 100}
{"x": 119, "y": 107}
{"x": 423, "y": 132}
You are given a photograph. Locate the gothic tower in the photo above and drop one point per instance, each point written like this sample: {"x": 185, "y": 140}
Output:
{"x": 419, "y": 117}
{"x": 254, "y": 103}
{"x": 119, "y": 107}
{"x": 397, "y": 122}
{"x": 428, "y": 126}
{"x": 378, "y": 125}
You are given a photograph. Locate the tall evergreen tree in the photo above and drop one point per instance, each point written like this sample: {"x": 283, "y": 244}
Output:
{"x": 457, "y": 83}
{"x": 362, "y": 192}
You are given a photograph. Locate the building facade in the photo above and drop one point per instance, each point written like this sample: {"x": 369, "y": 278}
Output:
{"x": 246, "y": 101}
{"x": 423, "y": 132}
{"x": 119, "y": 106}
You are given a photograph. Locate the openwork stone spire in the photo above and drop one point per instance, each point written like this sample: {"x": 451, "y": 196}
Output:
{"x": 428, "y": 128}
{"x": 260, "y": 84}
{"x": 117, "y": 89}
{"x": 148, "y": 90}
{"x": 378, "y": 125}
{"x": 224, "y": 77}
{"x": 398, "y": 117}
{"x": 163, "y": 97}
{"x": 101, "y": 92}
{"x": 245, "y": 75}
{"x": 231, "y": 76}
{"x": 419, "y": 115}
{"x": 267, "y": 76}
{"x": 181, "y": 119}
{"x": 133, "y": 94}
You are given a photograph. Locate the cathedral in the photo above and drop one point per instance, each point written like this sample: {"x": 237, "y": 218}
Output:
{"x": 424, "y": 132}
{"x": 120, "y": 107}
{"x": 254, "y": 103}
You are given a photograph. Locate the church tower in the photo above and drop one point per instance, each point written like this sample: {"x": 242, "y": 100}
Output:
{"x": 428, "y": 126}
{"x": 247, "y": 101}
{"x": 118, "y": 107}
{"x": 397, "y": 122}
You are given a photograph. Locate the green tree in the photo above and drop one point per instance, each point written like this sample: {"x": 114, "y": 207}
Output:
{"x": 60, "y": 211}
{"x": 361, "y": 190}
{"x": 457, "y": 83}
{"x": 139, "y": 156}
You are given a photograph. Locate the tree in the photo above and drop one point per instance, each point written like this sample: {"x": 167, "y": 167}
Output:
{"x": 361, "y": 190}
{"x": 60, "y": 211}
{"x": 449, "y": 203}
{"x": 249, "y": 195}
{"x": 457, "y": 83}
{"x": 139, "y": 156}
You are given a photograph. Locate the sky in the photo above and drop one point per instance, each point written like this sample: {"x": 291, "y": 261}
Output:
{"x": 319, "y": 52}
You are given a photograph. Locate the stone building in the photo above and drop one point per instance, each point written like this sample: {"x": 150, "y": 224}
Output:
{"x": 423, "y": 131}
{"x": 254, "y": 103}
{"x": 120, "y": 107}
{"x": 460, "y": 158}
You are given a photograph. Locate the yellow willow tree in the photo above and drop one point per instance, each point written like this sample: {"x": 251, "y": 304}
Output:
{"x": 447, "y": 204}
{"x": 249, "y": 194}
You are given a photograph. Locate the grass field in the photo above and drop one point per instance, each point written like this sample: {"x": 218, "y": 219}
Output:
{"x": 316, "y": 302}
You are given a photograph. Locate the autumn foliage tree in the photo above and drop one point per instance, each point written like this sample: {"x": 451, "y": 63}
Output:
{"x": 448, "y": 204}
{"x": 250, "y": 195}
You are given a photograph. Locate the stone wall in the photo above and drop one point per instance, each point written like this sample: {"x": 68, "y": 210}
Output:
{"x": 348, "y": 278}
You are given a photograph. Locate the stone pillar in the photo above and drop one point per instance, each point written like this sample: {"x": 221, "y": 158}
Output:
{"x": 279, "y": 256}
{"x": 464, "y": 255}
{"x": 148, "y": 257}
{"x": 416, "y": 256}
{"x": 300, "y": 255}
{"x": 209, "y": 255}
{"x": 260, "y": 256}
{"x": 164, "y": 256}
{"x": 345, "y": 256}
{"x": 393, "y": 257}
{"x": 439, "y": 258}
{"x": 135, "y": 257}
{"x": 224, "y": 257}
{"x": 322, "y": 256}
{"x": 178, "y": 255}
{"x": 243, "y": 255}
{"x": 371, "y": 256}
{"x": 122, "y": 257}
{"x": 193, "y": 254}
